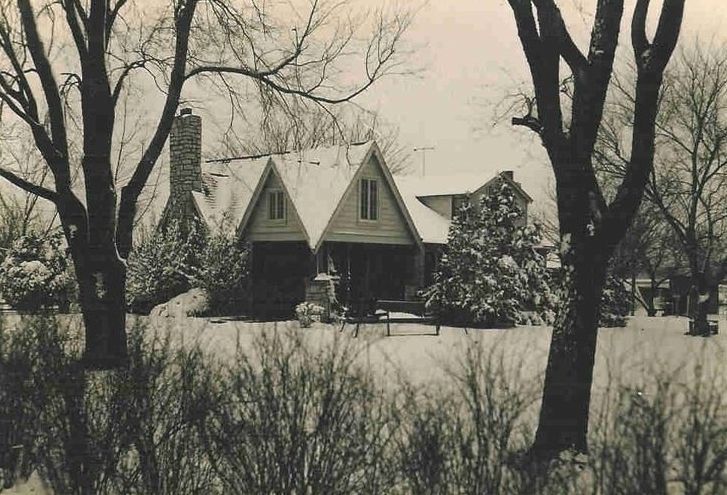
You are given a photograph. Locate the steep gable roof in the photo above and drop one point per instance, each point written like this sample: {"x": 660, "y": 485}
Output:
{"x": 316, "y": 181}
{"x": 227, "y": 191}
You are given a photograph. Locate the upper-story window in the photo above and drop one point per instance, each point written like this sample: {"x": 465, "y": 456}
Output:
{"x": 369, "y": 204}
{"x": 276, "y": 205}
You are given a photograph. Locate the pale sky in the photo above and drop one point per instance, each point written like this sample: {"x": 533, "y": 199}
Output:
{"x": 471, "y": 58}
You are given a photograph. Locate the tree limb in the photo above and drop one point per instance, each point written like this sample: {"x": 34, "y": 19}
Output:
{"x": 28, "y": 186}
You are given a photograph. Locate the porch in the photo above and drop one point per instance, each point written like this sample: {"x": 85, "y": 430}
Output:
{"x": 363, "y": 272}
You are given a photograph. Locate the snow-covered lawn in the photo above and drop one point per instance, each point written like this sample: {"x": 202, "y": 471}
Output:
{"x": 635, "y": 353}
{"x": 646, "y": 347}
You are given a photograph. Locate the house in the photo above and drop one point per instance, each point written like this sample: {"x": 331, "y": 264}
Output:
{"x": 313, "y": 216}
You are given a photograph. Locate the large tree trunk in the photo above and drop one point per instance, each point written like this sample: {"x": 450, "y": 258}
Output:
{"x": 101, "y": 276}
{"x": 101, "y": 294}
{"x": 563, "y": 421}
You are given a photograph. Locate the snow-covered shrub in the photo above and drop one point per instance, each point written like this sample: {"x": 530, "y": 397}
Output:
{"x": 172, "y": 260}
{"x": 36, "y": 273}
{"x": 159, "y": 267}
{"x": 490, "y": 271}
{"x": 307, "y": 313}
{"x": 222, "y": 270}
{"x": 615, "y": 303}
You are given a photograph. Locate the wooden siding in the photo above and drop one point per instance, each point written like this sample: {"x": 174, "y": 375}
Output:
{"x": 440, "y": 204}
{"x": 390, "y": 228}
{"x": 261, "y": 228}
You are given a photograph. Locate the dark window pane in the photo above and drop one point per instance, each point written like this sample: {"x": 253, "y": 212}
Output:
{"x": 374, "y": 200}
{"x": 281, "y": 205}
{"x": 364, "y": 199}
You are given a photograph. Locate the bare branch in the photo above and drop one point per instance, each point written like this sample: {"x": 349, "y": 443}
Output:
{"x": 28, "y": 186}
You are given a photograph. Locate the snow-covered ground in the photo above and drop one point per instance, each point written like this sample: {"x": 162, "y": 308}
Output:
{"x": 634, "y": 354}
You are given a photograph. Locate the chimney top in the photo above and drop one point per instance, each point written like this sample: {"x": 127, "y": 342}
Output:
{"x": 509, "y": 174}
{"x": 185, "y": 111}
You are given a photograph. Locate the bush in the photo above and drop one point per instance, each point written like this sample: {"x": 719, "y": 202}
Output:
{"x": 490, "y": 272}
{"x": 126, "y": 431}
{"x": 221, "y": 269}
{"x": 615, "y": 303}
{"x": 172, "y": 260}
{"x": 36, "y": 273}
{"x": 299, "y": 420}
{"x": 159, "y": 268}
{"x": 307, "y": 313}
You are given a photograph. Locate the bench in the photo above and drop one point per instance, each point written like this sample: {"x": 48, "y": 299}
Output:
{"x": 383, "y": 309}
{"x": 713, "y": 326}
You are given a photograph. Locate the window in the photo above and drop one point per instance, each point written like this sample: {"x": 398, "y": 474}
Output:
{"x": 369, "y": 204}
{"x": 276, "y": 205}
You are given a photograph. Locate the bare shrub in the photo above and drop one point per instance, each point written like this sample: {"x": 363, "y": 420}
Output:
{"x": 123, "y": 431}
{"x": 160, "y": 399}
{"x": 667, "y": 435}
{"x": 299, "y": 420}
{"x": 701, "y": 450}
{"x": 467, "y": 439}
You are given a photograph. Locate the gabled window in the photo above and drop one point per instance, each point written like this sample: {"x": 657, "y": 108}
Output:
{"x": 276, "y": 205}
{"x": 369, "y": 200}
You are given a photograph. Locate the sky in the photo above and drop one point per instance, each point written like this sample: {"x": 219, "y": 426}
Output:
{"x": 471, "y": 58}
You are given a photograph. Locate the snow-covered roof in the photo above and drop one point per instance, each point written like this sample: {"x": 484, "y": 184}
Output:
{"x": 456, "y": 184}
{"x": 450, "y": 184}
{"x": 227, "y": 190}
{"x": 316, "y": 181}
{"x": 432, "y": 227}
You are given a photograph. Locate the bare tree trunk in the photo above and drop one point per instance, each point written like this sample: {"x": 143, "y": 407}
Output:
{"x": 567, "y": 389}
{"x": 651, "y": 309}
{"x": 101, "y": 279}
{"x": 101, "y": 291}
{"x": 700, "y": 304}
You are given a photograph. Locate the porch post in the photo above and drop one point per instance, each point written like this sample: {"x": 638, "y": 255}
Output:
{"x": 419, "y": 266}
{"x": 250, "y": 285}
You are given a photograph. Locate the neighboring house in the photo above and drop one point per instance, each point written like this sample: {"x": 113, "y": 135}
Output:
{"x": 672, "y": 295}
{"x": 310, "y": 216}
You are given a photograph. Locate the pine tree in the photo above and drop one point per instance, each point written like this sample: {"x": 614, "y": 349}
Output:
{"x": 490, "y": 272}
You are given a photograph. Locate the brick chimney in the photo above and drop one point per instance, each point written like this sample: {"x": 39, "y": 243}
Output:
{"x": 185, "y": 155}
{"x": 509, "y": 174}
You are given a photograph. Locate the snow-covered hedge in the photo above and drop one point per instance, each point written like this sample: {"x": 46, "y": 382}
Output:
{"x": 35, "y": 273}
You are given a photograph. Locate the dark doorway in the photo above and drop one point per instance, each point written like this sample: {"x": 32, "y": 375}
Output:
{"x": 279, "y": 272}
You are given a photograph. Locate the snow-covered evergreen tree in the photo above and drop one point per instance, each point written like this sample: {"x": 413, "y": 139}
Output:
{"x": 490, "y": 272}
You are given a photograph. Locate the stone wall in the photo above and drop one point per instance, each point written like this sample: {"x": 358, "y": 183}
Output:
{"x": 185, "y": 155}
{"x": 321, "y": 291}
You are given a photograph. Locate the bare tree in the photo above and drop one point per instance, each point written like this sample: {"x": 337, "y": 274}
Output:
{"x": 314, "y": 127}
{"x": 687, "y": 185}
{"x": 65, "y": 65}
{"x": 649, "y": 248}
{"x": 590, "y": 227}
